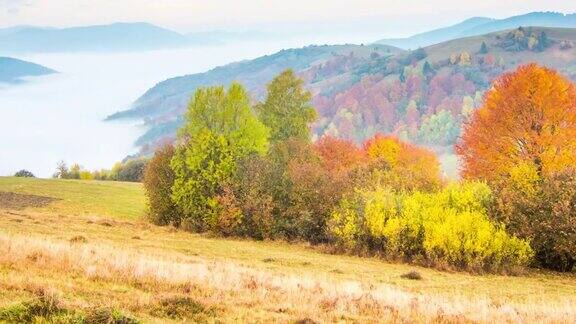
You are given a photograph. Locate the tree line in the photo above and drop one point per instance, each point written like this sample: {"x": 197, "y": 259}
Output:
{"x": 130, "y": 171}
{"x": 246, "y": 170}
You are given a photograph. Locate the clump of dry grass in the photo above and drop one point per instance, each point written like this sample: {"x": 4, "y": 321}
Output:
{"x": 290, "y": 297}
{"x": 412, "y": 275}
{"x": 78, "y": 239}
{"x": 44, "y": 307}
{"x": 182, "y": 308}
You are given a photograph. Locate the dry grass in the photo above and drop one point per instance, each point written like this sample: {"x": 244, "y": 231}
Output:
{"x": 292, "y": 297}
{"x": 96, "y": 261}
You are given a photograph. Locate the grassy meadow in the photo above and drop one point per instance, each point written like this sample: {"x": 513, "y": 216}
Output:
{"x": 89, "y": 250}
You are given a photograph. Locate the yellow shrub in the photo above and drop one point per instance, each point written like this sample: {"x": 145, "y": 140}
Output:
{"x": 86, "y": 175}
{"x": 447, "y": 227}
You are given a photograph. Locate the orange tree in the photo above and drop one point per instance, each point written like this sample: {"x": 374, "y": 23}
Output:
{"x": 523, "y": 142}
{"x": 528, "y": 117}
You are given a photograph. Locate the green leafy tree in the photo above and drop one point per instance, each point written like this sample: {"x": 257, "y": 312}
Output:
{"x": 24, "y": 174}
{"x": 287, "y": 111}
{"x": 75, "y": 171}
{"x": 132, "y": 171}
{"x": 219, "y": 129}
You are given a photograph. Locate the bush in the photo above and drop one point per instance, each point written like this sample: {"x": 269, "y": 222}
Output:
{"x": 86, "y": 175}
{"x": 158, "y": 182}
{"x": 449, "y": 227}
{"x": 291, "y": 192}
{"x": 200, "y": 172}
{"x": 543, "y": 210}
{"x": 24, "y": 174}
{"x": 132, "y": 171}
{"x": 255, "y": 188}
{"x": 312, "y": 193}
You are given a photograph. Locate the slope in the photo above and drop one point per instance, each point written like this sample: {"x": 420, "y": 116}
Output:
{"x": 90, "y": 260}
{"x": 13, "y": 70}
{"x": 422, "y": 96}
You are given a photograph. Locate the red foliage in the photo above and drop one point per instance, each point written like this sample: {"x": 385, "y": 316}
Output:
{"x": 338, "y": 155}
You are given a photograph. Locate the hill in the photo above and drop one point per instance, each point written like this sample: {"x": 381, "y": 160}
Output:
{"x": 113, "y": 37}
{"x": 12, "y": 70}
{"x": 436, "y": 36}
{"x": 165, "y": 102}
{"x": 481, "y": 25}
{"x": 87, "y": 252}
{"x": 422, "y": 96}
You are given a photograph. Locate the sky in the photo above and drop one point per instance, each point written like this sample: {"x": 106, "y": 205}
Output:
{"x": 388, "y": 17}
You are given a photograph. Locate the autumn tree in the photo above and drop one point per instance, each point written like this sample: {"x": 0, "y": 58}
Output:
{"x": 287, "y": 111}
{"x": 542, "y": 210}
{"x": 465, "y": 58}
{"x": 405, "y": 166}
{"x": 158, "y": 182}
{"x": 523, "y": 141}
{"x": 338, "y": 155}
{"x": 528, "y": 117}
{"x": 220, "y": 128}
{"x": 62, "y": 171}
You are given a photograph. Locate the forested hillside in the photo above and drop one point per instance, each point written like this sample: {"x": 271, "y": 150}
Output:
{"x": 422, "y": 96}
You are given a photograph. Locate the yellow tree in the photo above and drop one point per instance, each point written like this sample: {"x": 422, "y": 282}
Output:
{"x": 410, "y": 167}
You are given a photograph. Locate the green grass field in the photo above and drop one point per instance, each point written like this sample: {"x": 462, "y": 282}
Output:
{"x": 94, "y": 249}
{"x": 120, "y": 200}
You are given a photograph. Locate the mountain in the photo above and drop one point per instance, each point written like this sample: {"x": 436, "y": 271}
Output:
{"x": 12, "y": 70}
{"x": 422, "y": 96}
{"x": 114, "y": 37}
{"x": 437, "y": 35}
{"x": 170, "y": 96}
{"x": 480, "y": 25}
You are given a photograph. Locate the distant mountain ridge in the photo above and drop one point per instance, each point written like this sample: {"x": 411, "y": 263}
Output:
{"x": 482, "y": 25}
{"x": 13, "y": 70}
{"x": 114, "y": 37}
{"x": 106, "y": 38}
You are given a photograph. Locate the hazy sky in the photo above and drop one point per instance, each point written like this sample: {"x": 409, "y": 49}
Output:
{"x": 394, "y": 16}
